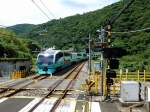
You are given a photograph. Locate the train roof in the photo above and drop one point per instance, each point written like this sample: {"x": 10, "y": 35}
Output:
{"x": 49, "y": 52}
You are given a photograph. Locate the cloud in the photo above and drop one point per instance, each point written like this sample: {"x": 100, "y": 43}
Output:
{"x": 24, "y": 11}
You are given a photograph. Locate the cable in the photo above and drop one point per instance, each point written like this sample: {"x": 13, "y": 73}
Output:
{"x": 47, "y": 9}
{"x": 40, "y": 9}
{"x": 113, "y": 19}
{"x": 133, "y": 31}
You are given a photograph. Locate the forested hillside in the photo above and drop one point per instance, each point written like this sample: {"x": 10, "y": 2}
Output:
{"x": 72, "y": 31}
{"x": 12, "y": 46}
{"x": 22, "y": 29}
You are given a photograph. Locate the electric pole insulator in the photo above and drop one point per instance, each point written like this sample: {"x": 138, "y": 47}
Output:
{"x": 109, "y": 34}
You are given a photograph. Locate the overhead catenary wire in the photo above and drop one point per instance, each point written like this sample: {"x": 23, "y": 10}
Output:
{"x": 40, "y": 9}
{"x": 47, "y": 9}
{"x": 132, "y": 31}
{"x": 113, "y": 20}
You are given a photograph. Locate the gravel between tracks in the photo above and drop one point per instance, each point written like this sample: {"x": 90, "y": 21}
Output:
{"x": 34, "y": 92}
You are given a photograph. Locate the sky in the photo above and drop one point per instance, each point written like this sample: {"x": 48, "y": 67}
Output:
{"x": 25, "y": 11}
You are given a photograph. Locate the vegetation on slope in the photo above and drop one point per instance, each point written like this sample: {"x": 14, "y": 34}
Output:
{"x": 13, "y": 47}
{"x": 22, "y": 29}
{"x": 72, "y": 31}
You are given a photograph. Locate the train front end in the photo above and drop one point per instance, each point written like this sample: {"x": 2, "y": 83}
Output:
{"x": 45, "y": 64}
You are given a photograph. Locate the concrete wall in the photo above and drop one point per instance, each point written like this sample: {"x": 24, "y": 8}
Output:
{"x": 7, "y": 67}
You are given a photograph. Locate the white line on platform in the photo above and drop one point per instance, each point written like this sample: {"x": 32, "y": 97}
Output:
{"x": 95, "y": 107}
{"x": 45, "y": 106}
{"x": 66, "y": 106}
{"x": 3, "y": 99}
{"x": 30, "y": 105}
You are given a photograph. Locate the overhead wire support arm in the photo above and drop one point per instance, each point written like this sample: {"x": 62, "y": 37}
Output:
{"x": 132, "y": 31}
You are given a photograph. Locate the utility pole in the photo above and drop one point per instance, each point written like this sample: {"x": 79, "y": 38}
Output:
{"x": 90, "y": 54}
{"x": 101, "y": 45}
{"x": 102, "y": 59}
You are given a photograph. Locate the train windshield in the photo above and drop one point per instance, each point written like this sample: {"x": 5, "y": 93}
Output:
{"x": 45, "y": 59}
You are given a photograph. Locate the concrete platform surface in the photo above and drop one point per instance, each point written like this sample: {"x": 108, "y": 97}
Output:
{"x": 25, "y": 104}
{"x": 13, "y": 104}
{"x": 108, "y": 107}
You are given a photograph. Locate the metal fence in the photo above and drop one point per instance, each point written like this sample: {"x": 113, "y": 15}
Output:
{"x": 18, "y": 74}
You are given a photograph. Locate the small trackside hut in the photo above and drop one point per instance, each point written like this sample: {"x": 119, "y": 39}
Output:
{"x": 9, "y": 66}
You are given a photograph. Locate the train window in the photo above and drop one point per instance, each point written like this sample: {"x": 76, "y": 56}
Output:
{"x": 50, "y": 59}
{"x": 84, "y": 55}
{"x": 79, "y": 54}
{"x": 43, "y": 59}
{"x": 40, "y": 58}
{"x": 58, "y": 56}
{"x": 73, "y": 55}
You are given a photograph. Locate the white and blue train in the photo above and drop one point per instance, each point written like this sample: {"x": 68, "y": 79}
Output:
{"x": 50, "y": 61}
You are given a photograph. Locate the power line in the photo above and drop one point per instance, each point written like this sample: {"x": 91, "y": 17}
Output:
{"x": 40, "y": 9}
{"x": 122, "y": 11}
{"x": 132, "y": 31}
{"x": 47, "y": 9}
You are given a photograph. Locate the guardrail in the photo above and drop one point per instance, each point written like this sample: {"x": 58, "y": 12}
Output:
{"x": 18, "y": 74}
{"x": 92, "y": 83}
{"x": 137, "y": 76}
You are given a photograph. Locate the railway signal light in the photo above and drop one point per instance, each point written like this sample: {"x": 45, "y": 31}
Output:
{"x": 113, "y": 64}
{"x": 109, "y": 34}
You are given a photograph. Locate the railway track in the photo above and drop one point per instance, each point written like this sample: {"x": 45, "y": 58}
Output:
{"x": 74, "y": 74}
{"x": 20, "y": 86}
{"x": 9, "y": 91}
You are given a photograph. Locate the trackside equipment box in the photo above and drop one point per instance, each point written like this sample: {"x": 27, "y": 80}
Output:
{"x": 130, "y": 91}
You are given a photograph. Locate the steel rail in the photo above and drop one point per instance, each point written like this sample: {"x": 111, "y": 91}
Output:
{"x": 22, "y": 88}
{"x": 21, "y": 82}
{"x": 52, "y": 88}
{"x": 56, "y": 104}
